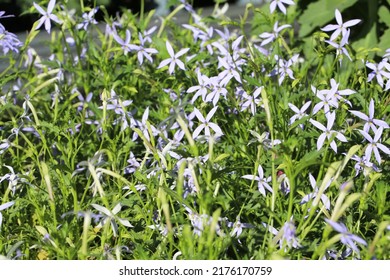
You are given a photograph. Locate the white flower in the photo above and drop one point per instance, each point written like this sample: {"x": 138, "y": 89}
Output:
{"x": 3, "y": 207}
{"x": 340, "y": 27}
{"x": 328, "y": 132}
{"x": 370, "y": 121}
{"x": 374, "y": 145}
{"x": 340, "y": 48}
{"x": 262, "y": 182}
{"x": 173, "y": 60}
{"x": 280, "y": 5}
{"x": 206, "y": 124}
{"x": 47, "y": 15}
{"x": 299, "y": 113}
{"x": 270, "y": 37}
{"x": 378, "y": 71}
{"x": 251, "y": 100}
{"x": 325, "y": 200}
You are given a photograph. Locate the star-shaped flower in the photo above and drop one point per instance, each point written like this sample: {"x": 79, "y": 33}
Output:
{"x": 374, "y": 145}
{"x": 111, "y": 217}
{"x": 280, "y": 4}
{"x": 370, "y": 121}
{"x": 174, "y": 59}
{"x": 125, "y": 44}
{"x": 206, "y": 124}
{"x": 340, "y": 27}
{"x": 47, "y": 15}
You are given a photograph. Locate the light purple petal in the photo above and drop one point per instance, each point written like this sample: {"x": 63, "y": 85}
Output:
{"x": 180, "y": 64}
{"x": 331, "y": 118}
{"x": 282, "y": 7}
{"x": 333, "y": 146}
{"x": 6, "y": 205}
{"x": 250, "y": 177}
{"x": 325, "y": 200}
{"x": 330, "y": 27}
{"x": 380, "y": 123}
{"x": 377, "y": 155}
{"x": 368, "y": 152}
{"x": 312, "y": 181}
{"x": 171, "y": 67}
{"x": 305, "y": 106}
{"x": 378, "y": 134}
{"x": 272, "y": 6}
{"x": 320, "y": 141}
{"x": 341, "y": 137}
{"x": 340, "y": 227}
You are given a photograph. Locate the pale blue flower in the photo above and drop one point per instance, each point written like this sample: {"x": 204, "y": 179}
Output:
{"x": 270, "y": 37}
{"x": 347, "y": 238}
{"x": 379, "y": 71}
{"x": 111, "y": 217}
{"x": 370, "y": 121}
{"x": 206, "y": 124}
{"x": 47, "y": 16}
{"x": 125, "y": 44}
{"x": 251, "y": 100}
{"x": 8, "y": 41}
{"x": 340, "y": 47}
{"x": 237, "y": 227}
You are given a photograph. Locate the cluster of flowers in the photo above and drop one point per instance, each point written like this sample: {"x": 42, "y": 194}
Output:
{"x": 211, "y": 90}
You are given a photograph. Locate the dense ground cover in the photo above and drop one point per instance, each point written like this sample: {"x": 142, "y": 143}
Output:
{"x": 207, "y": 140}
